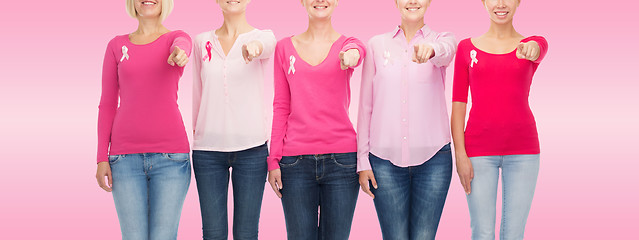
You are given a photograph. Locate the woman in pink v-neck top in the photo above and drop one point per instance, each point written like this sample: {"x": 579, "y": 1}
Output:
{"x": 310, "y": 110}
{"x": 313, "y": 160}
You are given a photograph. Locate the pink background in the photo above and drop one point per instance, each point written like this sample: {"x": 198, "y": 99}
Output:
{"x": 584, "y": 97}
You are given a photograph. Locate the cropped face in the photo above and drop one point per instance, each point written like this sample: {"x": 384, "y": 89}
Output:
{"x": 319, "y": 9}
{"x": 412, "y": 10}
{"x": 233, "y": 6}
{"x": 501, "y": 11}
{"x": 148, "y": 8}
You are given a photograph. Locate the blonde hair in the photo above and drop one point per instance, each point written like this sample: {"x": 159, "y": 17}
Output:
{"x": 167, "y": 7}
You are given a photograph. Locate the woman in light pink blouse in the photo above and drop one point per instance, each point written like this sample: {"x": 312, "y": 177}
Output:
{"x": 404, "y": 156}
{"x": 313, "y": 144}
{"x": 143, "y": 148}
{"x": 229, "y": 122}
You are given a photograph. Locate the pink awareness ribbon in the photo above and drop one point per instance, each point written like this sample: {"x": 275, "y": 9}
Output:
{"x": 209, "y": 47}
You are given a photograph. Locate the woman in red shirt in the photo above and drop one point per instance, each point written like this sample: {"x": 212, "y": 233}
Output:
{"x": 498, "y": 68}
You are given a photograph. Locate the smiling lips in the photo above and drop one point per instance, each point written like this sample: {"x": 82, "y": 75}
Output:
{"x": 149, "y": 3}
{"x": 413, "y": 9}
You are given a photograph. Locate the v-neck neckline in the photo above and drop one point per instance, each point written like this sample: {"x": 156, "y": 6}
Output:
{"x": 323, "y": 60}
{"x": 217, "y": 41}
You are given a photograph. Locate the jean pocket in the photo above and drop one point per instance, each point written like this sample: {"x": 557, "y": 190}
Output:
{"x": 113, "y": 159}
{"x": 177, "y": 156}
{"x": 345, "y": 160}
{"x": 289, "y": 161}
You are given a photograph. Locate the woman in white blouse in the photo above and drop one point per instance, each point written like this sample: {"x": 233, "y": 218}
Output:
{"x": 229, "y": 122}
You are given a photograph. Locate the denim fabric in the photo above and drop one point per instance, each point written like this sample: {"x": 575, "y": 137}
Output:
{"x": 248, "y": 176}
{"x": 409, "y": 200}
{"x": 519, "y": 178}
{"x": 149, "y": 191}
{"x": 325, "y": 181}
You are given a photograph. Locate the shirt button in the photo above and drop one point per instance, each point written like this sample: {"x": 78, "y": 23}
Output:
{"x": 403, "y": 101}
{"x": 404, "y": 138}
{"x": 404, "y": 120}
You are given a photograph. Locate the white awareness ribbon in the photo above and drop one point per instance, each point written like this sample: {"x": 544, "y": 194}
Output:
{"x": 124, "y": 53}
{"x": 291, "y": 67}
{"x": 473, "y": 56}
{"x": 386, "y": 57}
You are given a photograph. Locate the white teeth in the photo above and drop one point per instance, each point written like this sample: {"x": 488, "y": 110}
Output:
{"x": 412, "y": 9}
{"x": 320, "y": 7}
{"x": 501, "y": 13}
{"x": 148, "y": 3}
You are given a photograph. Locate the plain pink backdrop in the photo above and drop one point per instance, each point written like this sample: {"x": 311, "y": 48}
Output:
{"x": 584, "y": 97}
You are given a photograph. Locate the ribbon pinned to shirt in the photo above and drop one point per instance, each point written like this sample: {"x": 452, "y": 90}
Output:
{"x": 209, "y": 47}
{"x": 291, "y": 67}
{"x": 125, "y": 54}
{"x": 387, "y": 57}
{"x": 473, "y": 56}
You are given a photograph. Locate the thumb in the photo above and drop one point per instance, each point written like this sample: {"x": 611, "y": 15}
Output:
{"x": 416, "y": 48}
{"x": 374, "y": 182}
{"x": 341, "y": 55}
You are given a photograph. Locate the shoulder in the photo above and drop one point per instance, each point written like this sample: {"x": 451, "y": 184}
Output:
{"x": 179, "y": 33}
{"x": 203, "y": 37}
{"x": 118, "y": 41}
{"x": 283, "y": 45}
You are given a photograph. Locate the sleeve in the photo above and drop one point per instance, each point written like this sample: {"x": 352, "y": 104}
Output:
{"x": 183, "y": 41}
{"x": 354, "y": 43}
{"x": 197, "y": 81}
{"x": 268, "y": 41}
{"x": 365, "y": 110}
{"x": 543, "y": 46}
{"x": 281, "y": 108}
{"x": 460, "y": 79}
{"x": 108, "y": 102}
{"x": 445, "y": 47}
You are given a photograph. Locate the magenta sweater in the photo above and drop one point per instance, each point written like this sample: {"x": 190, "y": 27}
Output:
{"x": 147, "y": 118}
{"x": 310, "y": 106}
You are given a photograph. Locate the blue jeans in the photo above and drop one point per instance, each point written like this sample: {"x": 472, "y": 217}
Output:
{"x": 149, "y": 191}
{"x": 327, "y": 181}
{"x": 519, "y": 177}
{"x": 409, "y": 200}
{"x": 248, "y": 175}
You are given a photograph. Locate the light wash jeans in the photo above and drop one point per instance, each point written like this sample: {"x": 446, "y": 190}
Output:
{"x": 519, "y": 177}
{"x": 149, "y": 190}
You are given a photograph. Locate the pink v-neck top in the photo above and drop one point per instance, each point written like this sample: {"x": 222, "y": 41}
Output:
{"x": 500, "y": 120}
{"x": 145, "y": 85}
{"x": 310, "y": 106}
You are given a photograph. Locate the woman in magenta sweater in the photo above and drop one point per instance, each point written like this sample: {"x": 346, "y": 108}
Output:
{"x": 143, "y": 148}
{"x": 313, "y": 144}
{"x": 498, "y": 67}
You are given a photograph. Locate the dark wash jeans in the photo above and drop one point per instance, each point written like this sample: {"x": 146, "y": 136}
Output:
{"x": 409, "y": 200}
{"x": 248, "y": 175}
{"x": 327, "y": 181}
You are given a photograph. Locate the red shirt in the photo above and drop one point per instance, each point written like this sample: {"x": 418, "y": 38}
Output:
{"x": 500, "y": 120}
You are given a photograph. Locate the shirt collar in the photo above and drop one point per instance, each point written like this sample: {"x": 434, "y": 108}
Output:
{"x": 423, "y": 32}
